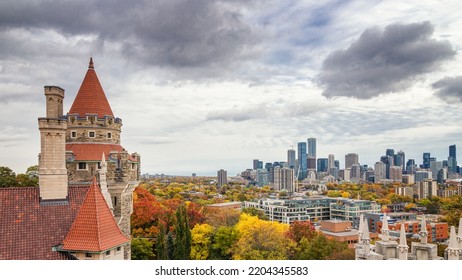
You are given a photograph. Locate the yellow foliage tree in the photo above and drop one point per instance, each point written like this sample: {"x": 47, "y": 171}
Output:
{"x": 261, "y": 240}
{"x": 201, "y": 236}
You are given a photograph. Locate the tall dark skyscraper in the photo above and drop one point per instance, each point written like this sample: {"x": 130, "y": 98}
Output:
{"x": 452, "y": 159}
{"x": 311, "y": 147}
{"x": 311, "y": 165}
{"x": 390, "y": 152}
{"x": 322, "y": 164}
{"x": 302, "y": 163}
{"x": 399, "y": 159}
{"x": 426, "y": 160}
{"x": 291, "y": 158}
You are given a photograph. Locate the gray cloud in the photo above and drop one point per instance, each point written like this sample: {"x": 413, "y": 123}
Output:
{"x": 383, "y": 61}
{"x": 239, "y": 114}
{"x": 449, "y": 89}
{"x": 208, "y": 35}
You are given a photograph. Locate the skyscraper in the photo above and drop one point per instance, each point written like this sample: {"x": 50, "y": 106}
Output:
{"x": 426, "y": 160}
{"x": 330, "y": 161}
{"x": 452, "y": 159}
{"x": 311, "y": 147}
{"x": 291, "y": 158}
{"x": 322, "y": 164}
{"x": 351, "y": 159}
{"x": 222, "y": 177}
{"x": 302, "y": 163}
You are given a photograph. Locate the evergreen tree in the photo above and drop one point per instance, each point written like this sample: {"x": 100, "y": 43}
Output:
{"x": 161, "y": 246}
{"x": 182, "y": 248}
{"x": 170, "y": 246}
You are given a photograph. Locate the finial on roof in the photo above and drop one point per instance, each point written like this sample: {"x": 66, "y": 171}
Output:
{"x": 453, "y": 239}
{"x": 90, "y": 65}
{"x": 385, "y": 229}
{"x": 366, "y": 236}
{"x": 423, "y": 231}
{"x": 402, "y": 237}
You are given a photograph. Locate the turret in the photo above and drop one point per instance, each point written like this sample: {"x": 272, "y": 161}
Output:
{"x": 52, "y": 159}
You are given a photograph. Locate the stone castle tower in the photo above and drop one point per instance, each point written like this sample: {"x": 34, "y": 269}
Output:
{"x": 91, "y": 134}
{"x": 53, "y": 172}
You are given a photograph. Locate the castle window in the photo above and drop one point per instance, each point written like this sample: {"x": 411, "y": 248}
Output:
{"x": 82, "y": 166}
{"x": 91, "y": 134}
{"x": 73, "y": 134}
{"x": 119, "y": 249}
{"x": 115, "y": 200}
{"x": 109, "y": 135}
{"x": 87, "y": 255}
{"x": 98, "y": 165}
{"x": 108, "y": 253}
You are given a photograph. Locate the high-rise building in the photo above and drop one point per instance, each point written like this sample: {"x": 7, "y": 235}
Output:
{"x": 311, "y": 147}
{"x": 452, "y": 160}
{"x": 355, "y": 173}
{"x": 435, "y": 167}
{"x": 426, "y": 160}
{"x": 331, "y": 161}
{"x": 255, "y": 164}
{"x": 379, "y": 171}
{"x": 302, "y": 163}
{"x": 222, "y": 177}
{"x": 262, "y": 177}
{"x": 322, "y": 164}
{"x": 390, "y": 152}
{"x": 399, "y": 159}
{"x": 284, "y": 179}
{"x": 410, "y": 166}
{"x": 291, "y": 158}
{"x": 311, "y": 163}
{"x": 396, "y": 173}
{"x": 350, "y": 159}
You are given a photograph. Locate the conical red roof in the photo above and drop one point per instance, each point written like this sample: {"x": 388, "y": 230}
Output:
{"x": 91, "y": 98}
{"x": 94, "y": 229}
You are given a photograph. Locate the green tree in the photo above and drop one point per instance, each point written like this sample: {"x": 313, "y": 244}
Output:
{"x": 170, "y": 246}
{"x": 161, "y": 244}
{"x": 142, "y": 249}
{"x": 182, "y": 248}
{"x": 321, "y": 248}
{"x": 223, "y": 240}
{"x": 7, "y": 177}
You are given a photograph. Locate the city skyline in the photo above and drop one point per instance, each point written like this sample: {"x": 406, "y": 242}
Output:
{"x": 204, "y": 85}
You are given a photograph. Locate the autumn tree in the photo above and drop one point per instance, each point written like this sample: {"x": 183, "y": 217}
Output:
{"x": 301, "y": 229}
{"x": 321, "y": 248}
{"x": 201, "y": 240}
{"x": 261, "y": 240}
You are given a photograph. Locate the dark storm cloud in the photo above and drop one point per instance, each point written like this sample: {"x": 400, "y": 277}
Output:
{"x": 174, "y": 33}
{"x": 383, "y": 61}
{"x": 449, "y": 89}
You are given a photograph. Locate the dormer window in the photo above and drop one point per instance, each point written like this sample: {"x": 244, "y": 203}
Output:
{"x": 73, "y": 134}
{"x": 91, "y": 134}
{"x": 82, "y": 166}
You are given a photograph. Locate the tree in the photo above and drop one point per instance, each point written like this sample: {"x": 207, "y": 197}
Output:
{"x": 261, "y": 240}
{"x": 255, "y": 212}
{"x": 7, "y": 177}
{"x": 142, "y": 249}
{"x": 321, "y": 248}
{"x": 201, "y": 240}
{"x": 170, "y": 246}
{"x": 161, "y": 244}
{"x": 223, "y": 240}
{"x": 301, "y": 229}
{"x": 182, "y": 248}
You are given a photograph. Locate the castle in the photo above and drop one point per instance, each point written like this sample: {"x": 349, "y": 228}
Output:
{"x": 388, "y": 249}
{"x": 82, "y": 207}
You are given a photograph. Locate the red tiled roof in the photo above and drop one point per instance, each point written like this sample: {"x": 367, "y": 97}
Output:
{"x": 94, "y": 229}
{"x": 91, "y": 98}
{"x": 93, "y": 151}
{"x": 28, "y": 230}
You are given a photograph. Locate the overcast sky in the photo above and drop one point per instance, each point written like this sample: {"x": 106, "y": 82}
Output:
{"x": 202, "y": 85}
